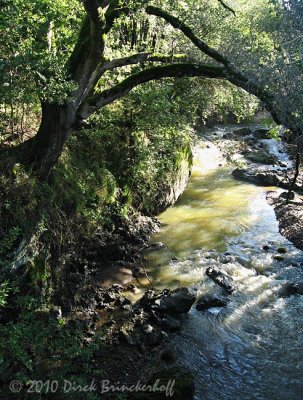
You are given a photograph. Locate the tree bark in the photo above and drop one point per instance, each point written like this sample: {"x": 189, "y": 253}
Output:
{"x": 47, "y": 146}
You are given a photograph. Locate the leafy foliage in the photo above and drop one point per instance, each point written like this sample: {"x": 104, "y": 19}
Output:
{"x": 38, "y": 347}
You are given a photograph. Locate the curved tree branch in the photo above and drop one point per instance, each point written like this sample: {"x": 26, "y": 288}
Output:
{"x": 140, "y": 58}
{"x": 169, "y": 71}
{"x": 226, "y": 7}
{"x": 130, "y": 60}
{"x": 229, "y": 72}
{"x": 188, "y": 32}
{"x": 233, "y": 75}
{"x": 86, "y": 61}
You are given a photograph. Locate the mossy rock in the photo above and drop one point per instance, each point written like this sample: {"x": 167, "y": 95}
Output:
{"x": 176, "y": 383}
{"x": 243, "y": 131}
{"x": 261, "y": 157}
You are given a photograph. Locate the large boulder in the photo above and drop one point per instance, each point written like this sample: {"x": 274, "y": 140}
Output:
{"x": 261, "y": 157}
{"x": 256, "y": 176}
{"x": 210, "y": 300}
{"x": 152, "y": 339}
{"x": 263, "y": 175}
{"x": 178, "y": 301}
{"x": 290, "y": 218}
{"x": 243, "y": 131}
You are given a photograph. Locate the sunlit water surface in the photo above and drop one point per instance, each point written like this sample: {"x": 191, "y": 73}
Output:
{"x": 252, "y": 349}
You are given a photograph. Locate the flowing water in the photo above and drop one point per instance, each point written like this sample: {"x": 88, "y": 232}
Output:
{"x": 253, "y": 348}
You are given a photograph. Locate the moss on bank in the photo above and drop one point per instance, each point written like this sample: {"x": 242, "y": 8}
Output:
{"x": 104, "y": 173}
{"x": 107, "y": 174}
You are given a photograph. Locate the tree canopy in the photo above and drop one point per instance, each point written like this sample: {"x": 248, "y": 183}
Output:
{"x": 75, "y": 57}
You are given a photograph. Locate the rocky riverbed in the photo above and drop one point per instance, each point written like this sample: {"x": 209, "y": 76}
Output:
{"x": 270, "y": 163}
{"x": 110, "y": 292}
{"x": 290, "y": 217}
{"x": 249, "y": 289}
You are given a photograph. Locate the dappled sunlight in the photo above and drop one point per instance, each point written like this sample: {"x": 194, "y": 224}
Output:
{"x": 205, "y": 218}
{"x": 213, "y": 209}
{"x": 206, "y": 159}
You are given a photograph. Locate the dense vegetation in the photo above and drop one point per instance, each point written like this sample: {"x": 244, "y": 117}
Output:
{"x": 90, "y": 132}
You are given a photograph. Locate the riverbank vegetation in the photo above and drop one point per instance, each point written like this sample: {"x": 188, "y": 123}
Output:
{"x": 99, "y": 102}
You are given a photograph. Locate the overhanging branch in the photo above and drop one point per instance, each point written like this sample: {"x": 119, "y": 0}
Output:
{"x": 134, "y": 59}
{"x": 141, "y": 58}
{"x": 155, "y": 73}
{"x": 227, "y": 71}
{"x": 188, "y": 32}
{"x": 227, "y": 7}
{"x": 232, "y": 74}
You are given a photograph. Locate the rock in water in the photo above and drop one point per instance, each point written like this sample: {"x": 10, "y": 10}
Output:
{"x": 257, "y": 176}
{"x": 290, "y": 289}
{"x": 243, "y": 131}
{"x": 299, "y": 288}
{"x": 152, "y": 339}
{"x": 261, "y": 157}
{"x": 264, "y": 175}
{"x": 178, "y": 301}
{"x": 221, "y": 278}
{"x": 209, "y": 301}
{"x": 286, "y": 195}
{"x": 168, "y": 356}
{"x": 290, "y": 218}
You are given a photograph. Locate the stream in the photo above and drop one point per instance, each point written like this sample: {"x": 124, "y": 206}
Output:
{"x": 253, "y": 348}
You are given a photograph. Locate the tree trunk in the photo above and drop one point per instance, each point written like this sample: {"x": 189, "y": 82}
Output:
{"x": 46, "y": 147}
